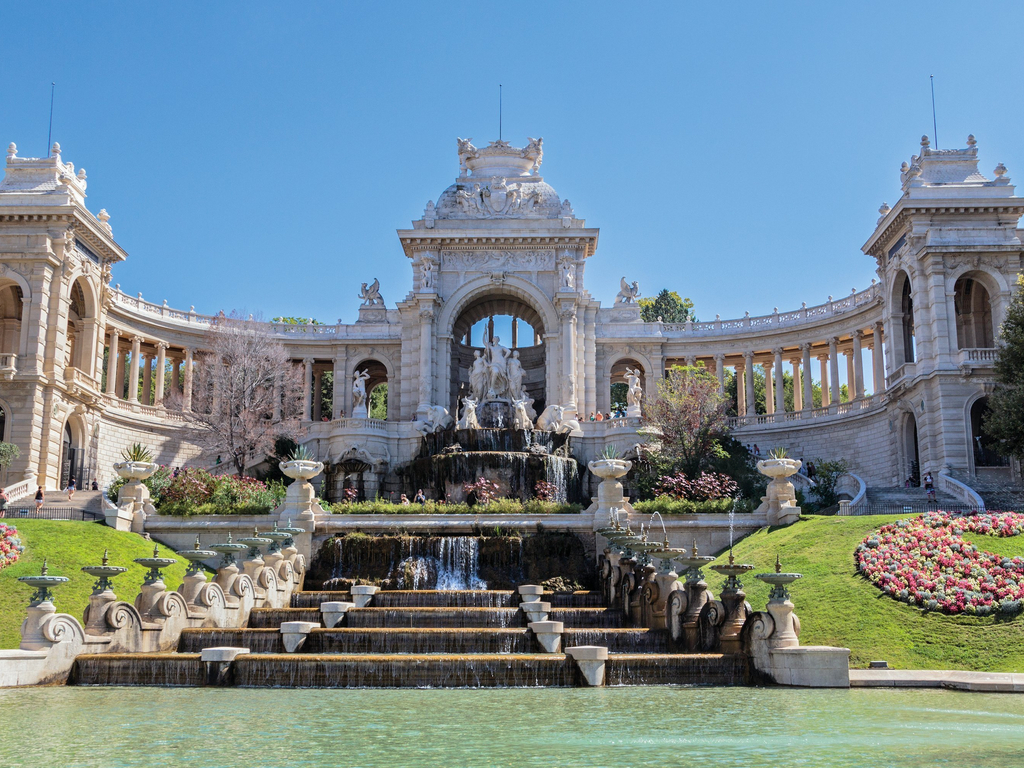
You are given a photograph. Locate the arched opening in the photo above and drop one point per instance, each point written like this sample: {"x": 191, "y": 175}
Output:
{"x": 912, "y": 457}
{"x": 11, "y": 309}
{"x": 618, "y": 384}
{"x": 983, "y": 446}
{"x": 907, "y": 309}
{"x": 3, "y": 425}
{"x": 377, "y": 383}
{"x": 497, "y": 353}
{"x": 72, "y": 458}
{"x": 973, "y": 314}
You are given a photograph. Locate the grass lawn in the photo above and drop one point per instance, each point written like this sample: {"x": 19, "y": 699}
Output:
{"x": 68, "y": 546}
{"x": 838, "y": 607}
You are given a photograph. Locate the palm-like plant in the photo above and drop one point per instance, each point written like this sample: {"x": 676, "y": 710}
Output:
{"x": 137, "y": 452}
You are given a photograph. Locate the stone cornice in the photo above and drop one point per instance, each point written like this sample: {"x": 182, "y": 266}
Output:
{"x": 902, "y": 212}
{"x": 414, "y": 241}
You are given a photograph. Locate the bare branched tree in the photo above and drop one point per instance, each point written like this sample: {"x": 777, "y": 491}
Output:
{"x": 246, "y": 392}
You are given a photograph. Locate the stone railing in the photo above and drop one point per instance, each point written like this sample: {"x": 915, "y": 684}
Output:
{"x": 907, "y": 370}
{"x": 154, "y": 411}
{"x": 374, "y": 425}
{"x": 19, "y": 490}
{"x": 162, "y": 310}
{"x": 8, "y": 365}
{"x": 964, "y": 493}
{"x": 979, "y": 355}
{"x": 777, "y": 320}
{"x": 789, "y": 417}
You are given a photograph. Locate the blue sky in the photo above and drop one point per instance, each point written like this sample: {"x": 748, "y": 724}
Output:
{"x": 260, "y": 156}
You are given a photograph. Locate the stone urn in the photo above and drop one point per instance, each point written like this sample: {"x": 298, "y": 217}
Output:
{"x": 300, "y": 469}
{"x": 299, "y": 497}
{"x": 135, "y": 470}
{"x": 609, "y": 492}
{"x": 610, "y": 469}
{"x": 779, "y": 503}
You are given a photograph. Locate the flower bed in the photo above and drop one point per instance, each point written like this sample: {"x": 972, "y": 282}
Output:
{"x": 10, "y": 545}
{"x": 923, "y": 561}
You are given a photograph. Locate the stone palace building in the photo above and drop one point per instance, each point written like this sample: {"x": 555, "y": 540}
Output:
{"x": 916, "y": 345}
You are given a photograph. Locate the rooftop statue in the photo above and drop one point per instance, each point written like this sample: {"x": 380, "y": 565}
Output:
{"x": 371, "y": 296}
{"x": 628, "y": 294}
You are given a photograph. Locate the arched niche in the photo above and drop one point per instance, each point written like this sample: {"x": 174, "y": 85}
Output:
{"x": 902, "y": 308}
{"x": 12, "y": 308}
{"x": 911, "y": 451}
{"x": 972, "y": 307}
{"x": 617, "y": 384}
{"x": 72, "y": 453}
{"x": 982, "y": 447}
{"x": 379, "y": 373}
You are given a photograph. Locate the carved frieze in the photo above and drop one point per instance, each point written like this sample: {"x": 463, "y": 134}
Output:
{"x": 490, "y": 261}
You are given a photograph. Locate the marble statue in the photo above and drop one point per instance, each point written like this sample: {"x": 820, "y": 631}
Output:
{"x": 634, "y": 392}
{"x": 497, "y": 364}
{"x": 468, "y": 420}
{"x": 568, "y": 274}
{"x": 628, "y": 294}
{"x": 371, "y": 296}
{"x": 427, "y": 273}
{"x": 359, "y": 394}
{"x": 520, "y": 418}
{"x": 435, "y": 418}
{"x": 479, "y": 376}
{"x": 515, "y": 377}
{"x": 558, "y": 418}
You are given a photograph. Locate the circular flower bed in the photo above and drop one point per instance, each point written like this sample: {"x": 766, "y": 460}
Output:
{"x": 924, "y": 561}
{"x": 10, "y": 545}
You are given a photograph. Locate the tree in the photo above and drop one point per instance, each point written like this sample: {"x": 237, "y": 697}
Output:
{"x": 290, "y": 320}
{"x": 379, "y": 402}
{"x": 1005, "y": 422}
{"x": 240, "y": 376}
{"x": 667, "y": 305}
{"x": 690, "y": 416}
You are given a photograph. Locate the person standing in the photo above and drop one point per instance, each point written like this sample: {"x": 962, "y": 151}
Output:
{"x": 929, "y": 486}
{"x": 40, "y": 498}
{"x": 72, "y": 487}
{"x": 4, "y": 498}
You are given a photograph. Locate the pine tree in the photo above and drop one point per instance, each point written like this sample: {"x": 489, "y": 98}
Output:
{"x": 1005, "y": 422}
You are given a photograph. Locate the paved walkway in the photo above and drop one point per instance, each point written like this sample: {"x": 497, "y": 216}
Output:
{"x": 985, "y": 682}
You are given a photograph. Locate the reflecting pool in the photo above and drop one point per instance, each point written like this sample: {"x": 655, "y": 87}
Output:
{"x": 614, "y": 727}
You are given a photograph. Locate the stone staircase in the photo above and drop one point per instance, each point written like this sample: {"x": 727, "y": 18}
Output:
{"x": 882, "y": 501}
{"x": 421, "y": 638}
{"x": 57, "y": 507}
{"x": 999, "y": 495}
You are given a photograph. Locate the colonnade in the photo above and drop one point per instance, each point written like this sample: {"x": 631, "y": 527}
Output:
{"x": 826, "y": 353}
{"x": 137, "y": 354}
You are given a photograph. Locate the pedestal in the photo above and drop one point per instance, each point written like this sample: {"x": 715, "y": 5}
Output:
{"x": 97, "y": 623}
{"x": 697, "y": 595}
{"x": 734, "y": 601}
{"x": 784, "y": 635}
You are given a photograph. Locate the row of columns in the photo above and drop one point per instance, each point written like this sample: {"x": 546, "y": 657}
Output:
{"x": 153, "y": 384}
{"x": 828, "y": 374}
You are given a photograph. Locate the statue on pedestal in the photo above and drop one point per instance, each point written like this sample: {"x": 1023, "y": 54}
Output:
{"x": 497, "y": 364}
{"x": 479, "y": 376}
{"x": 359, "y": 394}
{"x": 515, "y": 377}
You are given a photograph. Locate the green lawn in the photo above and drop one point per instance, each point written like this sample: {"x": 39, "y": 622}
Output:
{"x": 838, "y": 607}
{"x": 68, "y": 546}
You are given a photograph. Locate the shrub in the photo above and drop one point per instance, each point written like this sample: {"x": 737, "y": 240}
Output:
{"x": 498, "y": 506}
{"x": 666, "y": 505}
{"x": 8, "y": 453}
{"x": 483, "y": 489}
{"x": 194, "y": 491}
{"x": 826, "y": 475}
{"x": 545, "y": 491}
{"x": 706, "y": 486}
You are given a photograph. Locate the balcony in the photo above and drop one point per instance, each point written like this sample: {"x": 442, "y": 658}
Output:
{"x": 979, "y": 356}
{"x": 8, "y": 365}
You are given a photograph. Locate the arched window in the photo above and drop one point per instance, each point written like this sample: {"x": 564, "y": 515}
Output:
{"x": 983, "y": 446}
{"x": 973, "y": 314}
{"x": 907, "y": 307}
{"x": 3, "y": 425}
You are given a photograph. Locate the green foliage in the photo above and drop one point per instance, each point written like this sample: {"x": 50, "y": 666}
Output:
{"x": 289, "y": 320}
{"x": 1005, "y": 422}
{"x": 301, "y": 453}
{"x": 498, "y": 506}
{"x": 838, "y": 607}
{"x": 778, "y": 453}
{"x": 137, "y": 452}
{"x": 68, "y": 546}
{"x": 610, "y": 451}
{"x": 8, "y": 453}
{"x": 666, "y": 505}
{"x": 195, "y": 491}
{"x": 379, "y": 402}
{"x": 825, "y": 476}
{"x": 669, "y": 306}
{"x": 618, "y": 395}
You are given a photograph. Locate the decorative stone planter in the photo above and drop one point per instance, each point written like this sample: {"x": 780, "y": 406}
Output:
{"x": 610, "y": 469}
{"x": 302, "y": 470}
{"x": 779, "y": 503}
{"x": 135, "y": 470}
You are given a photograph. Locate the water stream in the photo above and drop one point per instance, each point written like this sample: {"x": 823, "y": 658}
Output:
{"x": 613, "y": 727}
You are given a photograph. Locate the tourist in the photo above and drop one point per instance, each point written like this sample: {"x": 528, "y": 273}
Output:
{"x": 71, "y": 488}
{"x": 3, "y": 502}
{"x": 96, "y": 486}
{"x": 929, "y": 486}
{"x": 600, "y": 416}
{"x": 404, "y": 501}
{"x": 811, "y": 470}
{"x": 757, "y": 451}
{"x": 40, "y": 497}
{"x": 608, "y": 416}
{"x": 419, "y": 498}
{"x": 592, "y": 416}
{"x": 803, "y": 468}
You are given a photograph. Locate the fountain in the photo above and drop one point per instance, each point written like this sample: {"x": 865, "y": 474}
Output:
{"x": 35, "y": 632}
{"x": 102, "y": 595}
{"x": 685, "y": 605}
{"x": 254, "y": 562}
{"x": 787, "y": 626}
{"x": 153, "y": 588}
{"x": 195, "y": 575}
{"x": 734, "y": 603}
{"x": 227, "y": 573}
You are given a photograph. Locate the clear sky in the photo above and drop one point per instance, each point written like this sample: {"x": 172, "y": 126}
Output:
{"x": 260, "y": 156}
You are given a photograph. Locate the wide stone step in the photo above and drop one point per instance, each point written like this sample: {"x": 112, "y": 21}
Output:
{"x": 454, "y": 598}
{"x": 313, "y": 599}
{"x": 266, "y": 640}
{"x": 619, "y": 640}
{"x": 424, "y": 640}
{"x": 163, "y": 669}
{"x": 406, "y": 671}
{"x": 273, "y": 617}
{"x": 465, "y": 618}
{"x": 676, "y": 669}
{"x": 587, "y": 617}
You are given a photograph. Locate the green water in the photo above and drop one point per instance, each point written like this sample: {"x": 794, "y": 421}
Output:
{"x": 619, "y": 728}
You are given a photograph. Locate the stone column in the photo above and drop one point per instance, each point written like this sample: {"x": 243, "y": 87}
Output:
{"x": 798, "y": 390}
{"x": 176, "y": 373}
{"x": 808, "y": 379}
{"x": 515, "y": 332}
{"x": 568, "y": 315}
{"x": 857, "y": 391}
{"x": 878, "y": 360}
{"x": 146, "y": 362}
{"x": 426, "y": 373}
{"x": 850, "y": 389}
{"x": 133, "y": 375}
{"x": 113, "y": 356}
{"x": 318, "y": 395}
{"x": 161, "y": 363}
{"x": 186, "y": 395}
{"x": 307, "y": 387}
{"x": 780, "y": 383}
{"x": 833, "y": 355}
{"x": 748, "y": 375}
{"x": 720, "y": 371}
{"x": 590, "y": 360}
{"x": 769, "y": 388}
{"x": 340, "y": 359}
{"x": 741, "y": 391}
{"x": 826, "y": 397}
